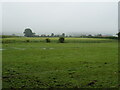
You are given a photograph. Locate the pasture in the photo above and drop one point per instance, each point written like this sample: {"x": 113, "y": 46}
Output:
{"x": 77, "y": 63}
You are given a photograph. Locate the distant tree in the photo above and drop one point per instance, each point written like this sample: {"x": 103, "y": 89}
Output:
{"x": 48, "y": 36}
{"x": 52, "y": 34}
{"x": 89, "y": 35}
{"x": 99, "y": 35}
{"x": 13, "y": 35}
{"x": 83, "y": 35}
{"x": 63, "y": 34}
{"x": 56, "y": 35}
{"x": 27, "y": 40}
{"x": 42, "y": 35}
{"x": 47, "y": 40}
{"x": 61, "y": 39}
{"x": 118, "y": 35}
{"x": 28, "y": 32}
{"x": 69, "y": 36}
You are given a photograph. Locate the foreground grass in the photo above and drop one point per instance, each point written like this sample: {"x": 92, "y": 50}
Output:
{"x": 66, "y": 65}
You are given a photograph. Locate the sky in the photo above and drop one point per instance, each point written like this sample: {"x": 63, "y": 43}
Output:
{"x": 60, "y": 17}
{"x": 119, "y": 16}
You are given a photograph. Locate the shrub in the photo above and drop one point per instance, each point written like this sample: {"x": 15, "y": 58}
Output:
{"x": 27, "y": 40}
{"x": 48, "y": 40}
{"x": 61, "y": 39}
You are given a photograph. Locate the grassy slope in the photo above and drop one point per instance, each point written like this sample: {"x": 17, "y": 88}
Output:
{"x": 60, "y": 65}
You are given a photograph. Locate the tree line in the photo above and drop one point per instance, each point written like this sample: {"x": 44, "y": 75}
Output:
{"x": 28, "y": 33}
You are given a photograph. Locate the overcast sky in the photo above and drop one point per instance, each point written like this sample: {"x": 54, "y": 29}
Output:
{"x": 59, "y": 17}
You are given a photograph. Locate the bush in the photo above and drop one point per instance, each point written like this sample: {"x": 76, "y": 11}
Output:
{"x": 61, "y": 39}
{"x": 48, "y": 40}
{"x": 27, "y": 40}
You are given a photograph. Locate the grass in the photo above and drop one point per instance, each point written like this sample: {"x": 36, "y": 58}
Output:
{"x": 55, "y": 39}
{"x": 61, "y": 65}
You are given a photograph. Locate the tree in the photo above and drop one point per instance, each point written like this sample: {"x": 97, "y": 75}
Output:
{"x": 61, "y": 39}
{"x": 52, "y": 34}
{"x": 118, "y": 35}
{"x": 47, "y": 40}
{"x": 89, "y": 35}
{"x": 13, "y": 35}
{"x": 63, "y": 34}
{"x": 28, "y": 32}
{"x": 99, "y": 35}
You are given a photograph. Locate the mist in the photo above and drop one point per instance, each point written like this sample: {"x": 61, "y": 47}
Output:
{"x": 60, "y": 17}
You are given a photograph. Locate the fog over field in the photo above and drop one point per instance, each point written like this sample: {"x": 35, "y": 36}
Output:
{"x": 59, "y": 17}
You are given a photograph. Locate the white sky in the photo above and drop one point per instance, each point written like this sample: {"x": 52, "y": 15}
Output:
{"x": 59, "y": 0}
{"x": 58, "y": 17}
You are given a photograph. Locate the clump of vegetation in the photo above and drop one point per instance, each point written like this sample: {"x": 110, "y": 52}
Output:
{"x": 48, "y": 40}
{"x": 27, "y": 40}
{"x": 61, "y": 39}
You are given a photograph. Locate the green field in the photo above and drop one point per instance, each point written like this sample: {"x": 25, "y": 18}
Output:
{"x": 77, "y": 63}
